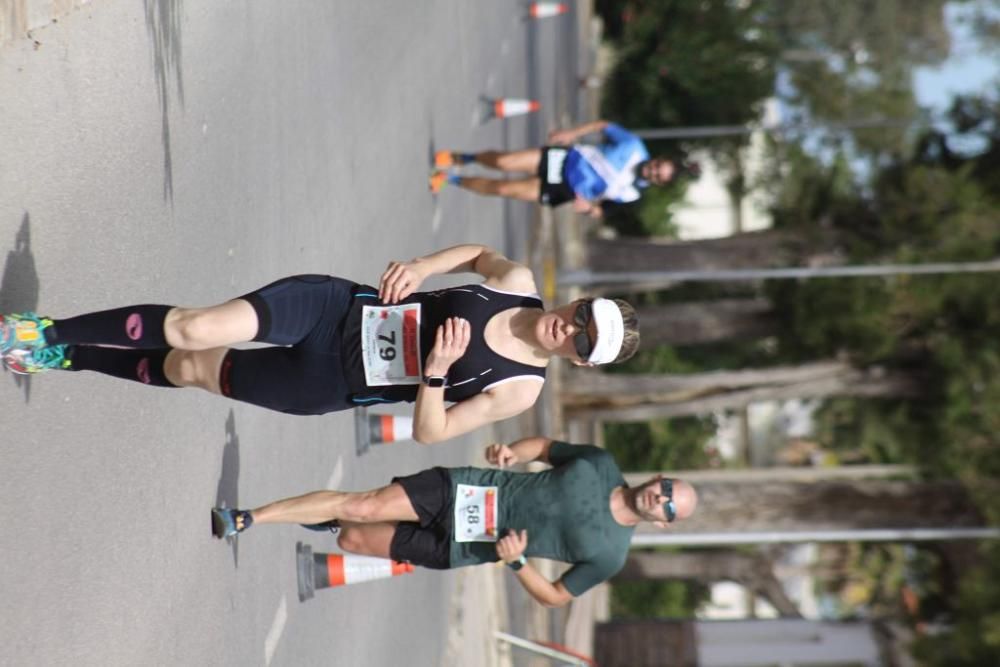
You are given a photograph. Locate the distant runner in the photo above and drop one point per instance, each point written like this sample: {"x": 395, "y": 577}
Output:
{"x": 587, "y": 175}
{"x": 579, "y": 512}
{"x": 339, "y": 344}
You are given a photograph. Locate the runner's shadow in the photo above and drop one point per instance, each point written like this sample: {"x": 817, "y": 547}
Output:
{"x": 163, "y": 22}
{"x": 227, "y": 492}
{"x": 19, "y": 286}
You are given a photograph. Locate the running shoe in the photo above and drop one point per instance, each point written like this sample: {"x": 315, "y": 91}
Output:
{"x": 23, "y": 331}
{"x": 37, "y": 360}
{"x": 225, "y": 521}
{"x": 446, "y": 159}
{"x": 333, "y": 525}
{"x": 437, "y": 181}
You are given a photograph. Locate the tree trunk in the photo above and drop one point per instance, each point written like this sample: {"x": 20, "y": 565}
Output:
{"x": 636, "y": 398}
{"x": 746, "y": 250}
{"x": 702, "y": 322}
{"x": 751, "y": 506}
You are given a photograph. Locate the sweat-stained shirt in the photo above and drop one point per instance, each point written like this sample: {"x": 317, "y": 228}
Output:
{"x": 566, "y": 511}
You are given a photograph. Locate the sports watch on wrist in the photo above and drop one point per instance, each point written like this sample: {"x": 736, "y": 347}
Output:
{"x": 518, "y": 564}
{"x": 435, "y": 381}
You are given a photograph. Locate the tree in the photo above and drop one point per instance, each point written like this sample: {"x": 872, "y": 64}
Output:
{"x": 748, "y": 506}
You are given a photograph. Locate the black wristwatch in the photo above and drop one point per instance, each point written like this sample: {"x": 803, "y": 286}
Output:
{"x": 518, "y": 564}
{"x": 435, "y": 380}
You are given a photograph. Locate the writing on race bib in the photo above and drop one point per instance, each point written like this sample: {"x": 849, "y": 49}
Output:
{"x": 390, "y": 344}
{"x": 475, "y": 513}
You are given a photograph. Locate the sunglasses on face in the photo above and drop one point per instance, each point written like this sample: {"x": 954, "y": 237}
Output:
{"x": 581, "y": 319}
{"x": 667, "y": 491}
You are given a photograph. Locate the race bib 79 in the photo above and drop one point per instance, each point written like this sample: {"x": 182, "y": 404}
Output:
{"x": 390, "y": 344}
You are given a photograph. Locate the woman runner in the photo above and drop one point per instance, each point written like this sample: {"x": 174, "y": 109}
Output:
{"x": 338, "y": 344}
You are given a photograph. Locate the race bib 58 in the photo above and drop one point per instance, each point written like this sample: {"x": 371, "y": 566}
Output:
{"x": 475, "y": 513}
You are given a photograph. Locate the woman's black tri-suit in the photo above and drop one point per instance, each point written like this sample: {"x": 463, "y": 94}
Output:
{"x": 319, "y": 367}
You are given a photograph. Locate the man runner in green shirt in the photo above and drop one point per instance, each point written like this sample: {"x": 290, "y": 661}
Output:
{"x": 580, "y": 511}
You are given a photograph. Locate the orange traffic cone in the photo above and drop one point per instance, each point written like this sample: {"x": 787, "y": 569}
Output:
{"x": 321, "y": 570}
{"x": 505, "y": 107}
{"x": 379, "y": 429}
{"x": 542, "y": 10}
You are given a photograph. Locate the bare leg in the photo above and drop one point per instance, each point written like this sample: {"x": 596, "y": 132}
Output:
{"x": 187, "y": 368}
{"x": 526, "y": 160}
{"x": 390, "y": 503}
{"x": 205, "y": 328}
{"x": 371, "y": 539}
{"x": 528, "y": 189}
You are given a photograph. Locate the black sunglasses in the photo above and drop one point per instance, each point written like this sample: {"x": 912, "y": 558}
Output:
{"x": 667, "y": 490}
{"x": 581, "y": 319}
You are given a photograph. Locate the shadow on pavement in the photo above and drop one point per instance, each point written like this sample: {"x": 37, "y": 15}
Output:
{"x": 163, "y": 22}
{"x": 19, "y": 286}
{"x": 227, "y": 492}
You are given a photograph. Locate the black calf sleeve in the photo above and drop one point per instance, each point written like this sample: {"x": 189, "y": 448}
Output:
{"x": 145, "y": 366}
{"x": 136, "y": 327}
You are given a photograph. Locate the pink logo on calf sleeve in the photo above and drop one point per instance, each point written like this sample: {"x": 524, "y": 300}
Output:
{"x": 133, "y": 326}
{"x": 142, "y": 370}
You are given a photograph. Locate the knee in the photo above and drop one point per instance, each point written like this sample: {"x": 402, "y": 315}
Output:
{"x": 189, "y": 329}
{"x": 192, "y": 369}
{"x": 363, "y": 508}
{"x": 349, "y": 539}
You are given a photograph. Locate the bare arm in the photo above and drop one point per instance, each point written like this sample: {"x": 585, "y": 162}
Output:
{"x": 401, "y": 279}
{"x": 510, "y": 549}
{"x": 525, "y": 450}
{"x": 433, "y": 422}
{"x": 569, "y": 135}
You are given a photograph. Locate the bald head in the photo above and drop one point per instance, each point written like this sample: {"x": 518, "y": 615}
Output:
{"x": 685, "y": 499}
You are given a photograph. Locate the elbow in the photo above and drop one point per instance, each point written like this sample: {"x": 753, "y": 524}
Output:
{"x": 555, "y": 604}
{"x": 426, "y": 438}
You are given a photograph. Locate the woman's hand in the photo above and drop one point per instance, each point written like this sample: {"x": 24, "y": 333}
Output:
{"x": 400, "y": 280}
{"x": 500, "y": 455}
{"x": 450, "y": 343}
{"x": 512, "y": 545}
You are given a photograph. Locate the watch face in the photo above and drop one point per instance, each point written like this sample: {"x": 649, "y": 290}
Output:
{"x": 434, "y": 381}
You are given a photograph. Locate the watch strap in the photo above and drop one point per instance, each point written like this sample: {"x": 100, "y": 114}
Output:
{"x": 518, "y": 564}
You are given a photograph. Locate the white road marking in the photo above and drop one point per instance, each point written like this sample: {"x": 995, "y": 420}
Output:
{"x": 436, "y": 219}
{"x": 277, "y": 627}
{"x": 338, "y": 474}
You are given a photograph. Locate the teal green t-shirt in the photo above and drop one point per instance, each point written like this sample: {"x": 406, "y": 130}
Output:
{"x": 566, "y": 511}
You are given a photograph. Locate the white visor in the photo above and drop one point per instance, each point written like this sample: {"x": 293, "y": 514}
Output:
{"x": 610, "y": 331}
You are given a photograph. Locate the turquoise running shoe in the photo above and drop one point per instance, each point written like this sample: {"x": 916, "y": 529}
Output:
{"x": 23, "y": 331}
{"x": 37, "y": 360}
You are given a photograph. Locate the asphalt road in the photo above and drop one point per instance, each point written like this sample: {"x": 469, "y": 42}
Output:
{"x": 184, "y": 153}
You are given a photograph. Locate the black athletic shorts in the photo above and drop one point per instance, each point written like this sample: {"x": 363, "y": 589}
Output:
{"x": 305, "y": 376}
{"x": 554, "y": 190}
{"x": 426, "y": 542}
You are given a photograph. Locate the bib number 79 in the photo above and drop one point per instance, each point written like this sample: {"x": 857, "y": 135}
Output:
{"x": 388, "y": 353}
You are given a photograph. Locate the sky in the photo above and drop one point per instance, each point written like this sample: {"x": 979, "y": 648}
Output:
{"x": 968, "y": 68}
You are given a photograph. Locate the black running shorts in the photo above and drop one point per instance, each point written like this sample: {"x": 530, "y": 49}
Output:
{"x": 554, "y": 189}
{"x": 305, "y": 376}
{"x": 426, "y": 542}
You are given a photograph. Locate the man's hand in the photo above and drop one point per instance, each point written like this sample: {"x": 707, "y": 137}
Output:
{"x": 562, "y": 137}
{"x": 450, "y": 343}
{"x": 400, "y": 280}
{"x": 512, "y": 545}
{"x": 581, "y": 205}
{"x": 500, "y": 455}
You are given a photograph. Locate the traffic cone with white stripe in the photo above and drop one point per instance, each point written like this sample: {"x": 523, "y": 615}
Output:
{"x": 323, "y": 570}
{"x": 543, "y": 10}
{"x": 507, "y": 107}
{"x": 372, "y": 429}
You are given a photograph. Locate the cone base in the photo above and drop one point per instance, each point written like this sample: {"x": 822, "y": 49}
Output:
{"x": 305, "y": 571}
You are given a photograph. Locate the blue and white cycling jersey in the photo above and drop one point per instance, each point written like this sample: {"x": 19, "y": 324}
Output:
{"x": 607, "y": 171}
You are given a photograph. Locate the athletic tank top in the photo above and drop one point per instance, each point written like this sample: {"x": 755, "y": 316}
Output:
{"x": 478, "y": 370}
